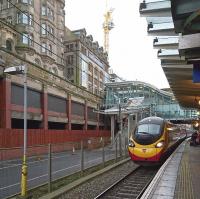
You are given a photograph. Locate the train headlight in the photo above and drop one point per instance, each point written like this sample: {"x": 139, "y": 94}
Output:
{"x": 160, "y": 144}
{"x": 131, "y": 144}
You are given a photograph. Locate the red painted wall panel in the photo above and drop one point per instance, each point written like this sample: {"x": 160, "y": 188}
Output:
{"x": 10, "y": 138}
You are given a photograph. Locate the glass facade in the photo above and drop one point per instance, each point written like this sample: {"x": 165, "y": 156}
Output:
{"x": 154, "y": 101}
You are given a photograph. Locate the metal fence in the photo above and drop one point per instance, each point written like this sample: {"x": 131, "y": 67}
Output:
{"x": 47, "y": 163}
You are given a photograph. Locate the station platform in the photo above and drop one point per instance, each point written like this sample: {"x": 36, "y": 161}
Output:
{"x": 179, "y": 176}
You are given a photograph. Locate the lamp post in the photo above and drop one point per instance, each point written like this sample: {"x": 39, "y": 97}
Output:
{"x": 14, "y": 71}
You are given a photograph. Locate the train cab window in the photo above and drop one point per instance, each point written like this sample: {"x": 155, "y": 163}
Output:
{"x": 147, "y": 133}
{"x": 152, "y": 129}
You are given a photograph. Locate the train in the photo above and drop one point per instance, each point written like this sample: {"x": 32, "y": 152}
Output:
{"x": 153, "y": 140}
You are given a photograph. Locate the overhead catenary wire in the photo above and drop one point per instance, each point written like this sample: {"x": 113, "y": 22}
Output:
{"x": 62, "y": 45}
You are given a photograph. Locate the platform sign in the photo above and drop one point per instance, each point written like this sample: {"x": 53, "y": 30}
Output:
{"x": 196, "y": 73}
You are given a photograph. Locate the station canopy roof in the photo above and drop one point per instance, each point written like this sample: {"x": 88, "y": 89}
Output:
{"x": 176, "y": 27}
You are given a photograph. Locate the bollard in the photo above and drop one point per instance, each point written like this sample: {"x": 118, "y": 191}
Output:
{"x": 24, "y": 178}
{"x": 49, "y": 168}
{"x": 73, "y": 150}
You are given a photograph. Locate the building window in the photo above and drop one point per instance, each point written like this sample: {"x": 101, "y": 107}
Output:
{"x": 67, "y": 48}
{"x": 1, "y": 4}
{"x": 8, "y": 4}
{"x": 70, "y": 72}
{"x": 44, "y": 29}
{"x": 50, "y": 31}
{"x": 50, "y": 49}
{"x": 25, "y": 38}
{"x": 31, "y": 42}
{"x": 9, "y": 45}
{"x": 62, "y": 58}
{"x": 31, "y": 20}
{"x": 50, "y": 13}
{"x": 44, "y": 10}
{"x": 96, "y": 82}
{"x": 90, "y": 88}
{"x": 90, "y": 79}
{"x": 70, "y": 59}
{"x": 30, "y": 2}
{"x": 71, "y": 47}
{"x": 101, "y": 84}
{"x": 96, "y": 72}
{"x": 22, "y": 18}
{"x": 96, "y": 91}
{"x": 44, "y": 48}
{"x": 101, "y": 75}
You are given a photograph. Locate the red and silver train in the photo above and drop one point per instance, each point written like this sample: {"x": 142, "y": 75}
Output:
{"x": 153, "y": 140}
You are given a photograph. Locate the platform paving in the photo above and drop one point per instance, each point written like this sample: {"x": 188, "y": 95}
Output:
{"x": 179, "y": 177}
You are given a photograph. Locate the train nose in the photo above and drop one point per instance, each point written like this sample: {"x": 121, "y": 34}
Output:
{"x": 145, "y": 154}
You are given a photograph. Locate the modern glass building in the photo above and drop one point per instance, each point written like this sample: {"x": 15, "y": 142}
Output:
{"x": 145, "y": 99}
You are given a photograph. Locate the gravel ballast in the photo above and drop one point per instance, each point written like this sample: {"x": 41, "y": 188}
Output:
{"x": 95, "y": 186}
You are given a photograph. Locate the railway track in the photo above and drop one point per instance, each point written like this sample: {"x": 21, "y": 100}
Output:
{"x": 131, "y": 186}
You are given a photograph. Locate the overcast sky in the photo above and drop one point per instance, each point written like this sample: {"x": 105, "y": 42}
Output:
{"x": 131, "y": 55}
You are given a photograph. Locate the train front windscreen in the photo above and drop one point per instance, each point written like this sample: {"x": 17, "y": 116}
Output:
{"x": 147, "y": 133}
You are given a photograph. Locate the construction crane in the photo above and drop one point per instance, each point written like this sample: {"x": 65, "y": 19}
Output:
{"x": 107, "y": 26}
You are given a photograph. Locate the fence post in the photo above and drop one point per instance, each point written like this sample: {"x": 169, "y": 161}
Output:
{"x": 82, "y": 158}
{"x": 116, "y": 149}
{"x": 125, "y": 146}
{"x": 103, "y": 152}
{"x": 120, "y": 145}
{"x": 49, "y": 168}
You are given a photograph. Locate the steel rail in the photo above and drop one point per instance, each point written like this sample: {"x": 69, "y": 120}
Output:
{"x": 141, "y": 186}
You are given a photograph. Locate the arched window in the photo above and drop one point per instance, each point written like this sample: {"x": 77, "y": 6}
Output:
{"x": 9, "y": 45}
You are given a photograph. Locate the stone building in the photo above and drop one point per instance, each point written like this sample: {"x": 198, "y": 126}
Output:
{"x": 32, "y": 33}
{"x": 41, "y": 30}
{"x": 86, "y": 62}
